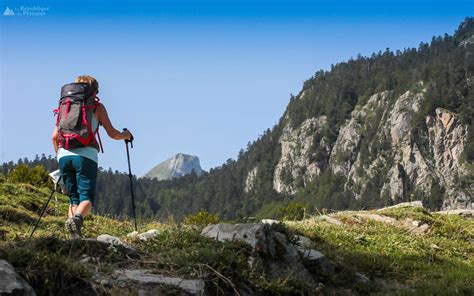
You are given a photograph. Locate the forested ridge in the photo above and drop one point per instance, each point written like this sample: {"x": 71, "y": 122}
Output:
{"x": 444, "y": 67}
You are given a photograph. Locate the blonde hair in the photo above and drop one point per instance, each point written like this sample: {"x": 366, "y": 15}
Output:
{"x": 89, "y": 80}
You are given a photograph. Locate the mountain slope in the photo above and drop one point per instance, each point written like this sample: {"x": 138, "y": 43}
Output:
{"x": 372, "y": 131}
{"x": 176, "y": 166}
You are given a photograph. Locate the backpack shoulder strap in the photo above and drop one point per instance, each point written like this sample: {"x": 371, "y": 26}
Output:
{"x": 97, "y": 104}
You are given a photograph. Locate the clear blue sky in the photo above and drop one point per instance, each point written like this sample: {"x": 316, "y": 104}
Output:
{"x": 198, "y": 77}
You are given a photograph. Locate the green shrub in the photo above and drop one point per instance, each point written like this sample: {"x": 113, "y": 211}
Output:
{"x": 284, "y": 210}
{"x": 24, "y": 174}
{"x": 293, "y": 211}
{"x": 201, "y": 218}
{"x": 271, "y": 210}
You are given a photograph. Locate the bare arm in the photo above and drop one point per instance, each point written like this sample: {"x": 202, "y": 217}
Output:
{"x": 55, "y": 140}
{"x": 104, "y": 119}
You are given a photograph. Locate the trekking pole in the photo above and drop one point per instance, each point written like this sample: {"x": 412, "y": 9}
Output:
{"x": 131, "y": 178}
{"x": 45, "y": 207}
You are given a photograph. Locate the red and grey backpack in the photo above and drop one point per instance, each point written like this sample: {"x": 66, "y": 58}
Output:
{"x": 74, "y": 113}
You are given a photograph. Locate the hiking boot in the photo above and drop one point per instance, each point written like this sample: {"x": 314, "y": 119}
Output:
{"x": 70, "y": 227}
{"x": 73, "y": 225}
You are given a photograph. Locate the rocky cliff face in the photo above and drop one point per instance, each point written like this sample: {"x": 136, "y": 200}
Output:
{"x": 298, "y": 165}
{"x": 176, "y": 166}
{"x": 447, "y": 137}
{"x": 376, "y": 151}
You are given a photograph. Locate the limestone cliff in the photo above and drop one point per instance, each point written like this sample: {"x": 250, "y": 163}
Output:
{"x": 297, "y": 165}
{"x": 376, "y": 150}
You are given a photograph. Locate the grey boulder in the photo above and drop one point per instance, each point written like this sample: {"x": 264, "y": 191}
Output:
{"x": 272, "y": 253}
{"x": 11, "y": 283}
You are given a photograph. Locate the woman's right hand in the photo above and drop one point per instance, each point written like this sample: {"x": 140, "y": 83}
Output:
{"x": 126, "y": 135}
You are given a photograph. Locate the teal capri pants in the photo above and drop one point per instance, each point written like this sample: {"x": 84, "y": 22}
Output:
{"x": 79, "y": 175}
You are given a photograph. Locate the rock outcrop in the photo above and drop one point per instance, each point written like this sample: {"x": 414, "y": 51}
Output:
{"x": 378, "y": 145}
{"x": 346, "y": 148}
{"x": 250, "y": 180}
{"x": 297, "y": 165}
{"x": 273, "y": 254}
{"x": 447, "y": 137}
{"x": 148, "y": 283}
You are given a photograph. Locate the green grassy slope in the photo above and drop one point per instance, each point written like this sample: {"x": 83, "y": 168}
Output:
{"x": 427, "y": 263}
{"x": 395, "y": 260}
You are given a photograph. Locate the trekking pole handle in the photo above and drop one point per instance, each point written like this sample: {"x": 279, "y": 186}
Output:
{"x": 131, "y": 138}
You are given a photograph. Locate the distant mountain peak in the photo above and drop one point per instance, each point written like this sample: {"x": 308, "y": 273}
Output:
{"x": 176, "y": 166}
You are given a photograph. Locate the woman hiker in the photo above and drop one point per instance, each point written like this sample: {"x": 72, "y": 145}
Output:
{"x": 76, "y": 146}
